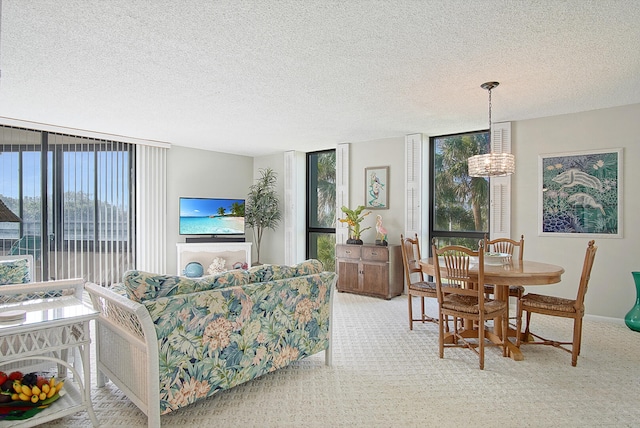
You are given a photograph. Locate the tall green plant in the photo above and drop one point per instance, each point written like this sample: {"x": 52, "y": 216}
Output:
{"x": 262, "y": 209}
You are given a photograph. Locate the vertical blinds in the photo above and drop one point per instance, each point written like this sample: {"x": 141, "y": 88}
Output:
{"x": 75, "y": 197}
{"x": 151, "y": 202}
{"x": 20, "y": 192}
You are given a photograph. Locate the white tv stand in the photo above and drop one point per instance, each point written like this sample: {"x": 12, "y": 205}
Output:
{"x": 205, "y": 252}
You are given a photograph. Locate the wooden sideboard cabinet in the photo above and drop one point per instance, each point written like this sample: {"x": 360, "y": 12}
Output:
{"x": 372, "y": 270}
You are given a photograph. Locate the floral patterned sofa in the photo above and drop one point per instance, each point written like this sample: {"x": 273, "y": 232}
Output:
{"x": 167, "y": 341}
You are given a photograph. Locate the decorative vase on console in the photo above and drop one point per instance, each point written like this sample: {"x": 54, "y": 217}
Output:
{"x": 353, "y": 220}
{"x": 632, "y": 319}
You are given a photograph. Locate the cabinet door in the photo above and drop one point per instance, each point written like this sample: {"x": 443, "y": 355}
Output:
{"x": 348, "y": 278}
{"x": 375, "y": 278}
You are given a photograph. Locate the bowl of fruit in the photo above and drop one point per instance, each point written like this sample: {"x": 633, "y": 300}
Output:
{"x": 22, "y": 396}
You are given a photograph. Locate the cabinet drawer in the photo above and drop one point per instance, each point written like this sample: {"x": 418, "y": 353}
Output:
{"x": 375, "y": 254}
{"x": 348, "y": 251}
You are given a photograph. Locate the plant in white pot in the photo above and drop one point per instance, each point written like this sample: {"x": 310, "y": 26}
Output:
{"x": 262, "y": 207}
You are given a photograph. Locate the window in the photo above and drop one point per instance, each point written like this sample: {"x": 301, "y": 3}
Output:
{"x": 74, "y": 196}
{"x": 321, "y": 207}
{"x": 459, "y": 204}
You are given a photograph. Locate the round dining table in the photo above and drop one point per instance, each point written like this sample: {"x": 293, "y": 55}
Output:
{"x": 510, "y": 272}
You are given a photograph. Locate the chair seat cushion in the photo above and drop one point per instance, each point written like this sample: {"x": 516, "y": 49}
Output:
{"x": 469, "y": 304}
{"x": 551, "y": 303}
{"x": 423, "y": 286}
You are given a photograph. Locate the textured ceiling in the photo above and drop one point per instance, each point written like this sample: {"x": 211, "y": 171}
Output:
{"x": 258, "y": 77}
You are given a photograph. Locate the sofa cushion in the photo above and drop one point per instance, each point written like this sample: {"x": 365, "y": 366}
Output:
{"x": 264, "y": 273}
{"x": 14, "y": 272}
{"x": 141, "y": 285}
{"x": 118, "y": 288}
{"x": 308, "y": 267}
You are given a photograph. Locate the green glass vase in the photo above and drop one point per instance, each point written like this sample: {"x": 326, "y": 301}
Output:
{"x": 632, "y": 319}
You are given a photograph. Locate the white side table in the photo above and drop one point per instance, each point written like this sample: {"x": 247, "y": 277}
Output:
{"x": 59, "y": 325}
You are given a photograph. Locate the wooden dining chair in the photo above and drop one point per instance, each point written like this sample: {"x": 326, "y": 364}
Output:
{"x": 559, "y": 307}
{"x": 461, "y": 295}
{"x": 416, "y": 284}
{"x": 507, "y": 246}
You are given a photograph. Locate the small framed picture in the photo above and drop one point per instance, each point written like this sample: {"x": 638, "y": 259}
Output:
{"x": 376, "y": 187}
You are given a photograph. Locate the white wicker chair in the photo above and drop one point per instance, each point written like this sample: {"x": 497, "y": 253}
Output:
{"x": 127, "y": 326}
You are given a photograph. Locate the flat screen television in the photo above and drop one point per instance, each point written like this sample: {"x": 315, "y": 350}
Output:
{"x": 218, "y": 217}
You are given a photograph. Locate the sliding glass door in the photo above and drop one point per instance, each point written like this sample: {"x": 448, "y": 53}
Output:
{"x": 74, "y": 196}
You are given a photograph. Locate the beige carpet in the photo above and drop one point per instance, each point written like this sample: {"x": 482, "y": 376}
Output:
{"x": 384, "y": 375}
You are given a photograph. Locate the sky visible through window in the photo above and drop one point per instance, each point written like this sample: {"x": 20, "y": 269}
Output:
{"x": 78, "y": 174}
{"x": 20, "y": 177}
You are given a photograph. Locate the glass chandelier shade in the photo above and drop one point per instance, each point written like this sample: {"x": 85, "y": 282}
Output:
{"x": 491, "y": 164}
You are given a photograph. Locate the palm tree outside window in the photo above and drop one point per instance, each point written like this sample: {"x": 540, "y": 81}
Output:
{"x": 459, "y": 204}
{"x": 321, "y": 207}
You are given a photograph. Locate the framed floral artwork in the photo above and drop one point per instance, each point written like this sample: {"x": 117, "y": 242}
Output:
{"x": 581, "y": 194}
{"x": 376, "y": 187}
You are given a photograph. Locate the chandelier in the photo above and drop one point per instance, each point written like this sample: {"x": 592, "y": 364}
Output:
{"x": 491, "y": 164}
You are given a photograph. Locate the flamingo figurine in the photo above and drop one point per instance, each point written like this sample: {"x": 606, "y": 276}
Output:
{"x": 381, "y": 231}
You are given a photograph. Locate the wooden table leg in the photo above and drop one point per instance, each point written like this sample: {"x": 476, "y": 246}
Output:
{"x": 502, "y": 294}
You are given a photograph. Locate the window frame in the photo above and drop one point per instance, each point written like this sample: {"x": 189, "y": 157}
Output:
{"x": 311, "y": 195}
{"x": 432, "y": 232}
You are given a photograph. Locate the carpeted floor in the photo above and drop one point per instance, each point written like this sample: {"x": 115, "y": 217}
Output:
{"x": 385, "y": 375}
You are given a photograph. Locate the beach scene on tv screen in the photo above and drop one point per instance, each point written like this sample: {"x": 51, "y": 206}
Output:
{"x": 211, "y": 216}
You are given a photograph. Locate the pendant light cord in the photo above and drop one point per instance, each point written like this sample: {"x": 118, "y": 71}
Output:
{"x": 489, "y": 115}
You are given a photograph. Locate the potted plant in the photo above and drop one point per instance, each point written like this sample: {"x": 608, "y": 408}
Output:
{"x": 354, "y": 218}
{"x": 262, "y": 207}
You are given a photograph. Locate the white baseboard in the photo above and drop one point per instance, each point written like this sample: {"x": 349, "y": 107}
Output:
{"x": 599, "y": 318}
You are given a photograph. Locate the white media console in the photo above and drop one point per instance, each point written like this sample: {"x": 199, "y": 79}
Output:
{"x": 233, "y": 253}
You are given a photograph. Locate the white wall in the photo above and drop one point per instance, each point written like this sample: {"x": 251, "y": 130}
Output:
{"x": 201, "y": 173}
{"x": 384, "y": 152}
{"x": 611, "y": 290}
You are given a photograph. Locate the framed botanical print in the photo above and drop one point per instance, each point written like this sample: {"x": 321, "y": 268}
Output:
{"x": 376, "y": 187}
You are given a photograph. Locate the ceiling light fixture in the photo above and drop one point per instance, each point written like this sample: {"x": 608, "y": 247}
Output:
{"x": 491, "y": 164}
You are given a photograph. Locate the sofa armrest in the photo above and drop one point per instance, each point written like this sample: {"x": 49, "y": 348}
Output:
{"x": 127, "y": 349}
{"x": 118, "y": 310}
